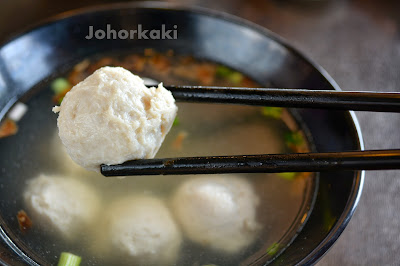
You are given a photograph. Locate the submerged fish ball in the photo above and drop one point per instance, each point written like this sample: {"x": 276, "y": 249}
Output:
{"x": 142, "y": 228}
{"x": 217, "y": 212}
{"x": 64, "y": 203}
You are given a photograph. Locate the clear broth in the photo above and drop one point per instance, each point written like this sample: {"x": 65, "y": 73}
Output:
{"x": 211, "y": 129}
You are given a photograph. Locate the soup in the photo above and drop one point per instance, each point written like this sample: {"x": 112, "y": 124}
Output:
{"x": 284, "y": 200}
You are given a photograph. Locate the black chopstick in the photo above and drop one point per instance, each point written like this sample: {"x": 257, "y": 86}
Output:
{"x": 265, "y": 163}
{"x": 273, "y": 163}
{"x": 301, "y": 98}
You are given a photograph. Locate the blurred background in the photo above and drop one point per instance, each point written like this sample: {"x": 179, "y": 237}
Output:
{"x": 358, "y": 43}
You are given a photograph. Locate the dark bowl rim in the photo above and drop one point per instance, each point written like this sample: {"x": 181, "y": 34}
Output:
{"x": 359, "y": 176}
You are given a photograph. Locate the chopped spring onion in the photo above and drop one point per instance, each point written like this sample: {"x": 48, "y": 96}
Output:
{"x": 223, "y": 71}
{"x": 17, "y": 112}
{"x": 60, "y": 100}
{"x": 232, "y": 75}
{"x": 176, "y": 122}
{"x": 294, "y": 138}
{"x": 235, "y": 78}
{"x": 287, "y": 175}
{"x": 328, "y": 219}
{"x": 273, "y": 249}
{"x": 274, "y": 112}
{"x": 69, "y": 259}
{"x": 59, "y": 85}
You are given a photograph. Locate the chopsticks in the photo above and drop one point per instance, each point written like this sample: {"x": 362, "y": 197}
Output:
{"x": 273, "y": 163}
{"x": 264, "y": 163}
{"x": 301, "y": 98}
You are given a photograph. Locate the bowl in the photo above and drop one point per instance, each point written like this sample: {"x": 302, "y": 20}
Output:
{"x": 39, "y": 54}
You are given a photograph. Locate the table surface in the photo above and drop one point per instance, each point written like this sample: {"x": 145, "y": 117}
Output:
{"x": 358, "y": 43}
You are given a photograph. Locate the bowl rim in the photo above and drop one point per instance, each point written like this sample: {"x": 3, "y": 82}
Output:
{"x": 359, "y": 176}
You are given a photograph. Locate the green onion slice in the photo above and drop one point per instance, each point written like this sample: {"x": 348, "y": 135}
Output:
{"x": 69, "y": 259}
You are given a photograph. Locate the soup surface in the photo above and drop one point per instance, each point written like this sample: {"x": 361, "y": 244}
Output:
{"x": 285, "y": 200}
